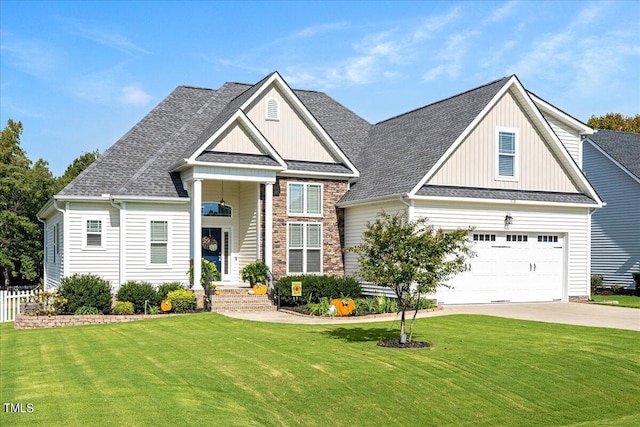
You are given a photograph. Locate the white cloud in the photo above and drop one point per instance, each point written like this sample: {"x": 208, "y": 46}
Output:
{"x": 109, "y": 39}
{"x": 451, "y": 58}
{"x": 500, "y": 13}
{"x": 434, "y": 24}
{"x": 33, "y": 57}
{"x": 108, "y": 87}
{"x": 134, "y": 95}
{"x": 321, "y": 28}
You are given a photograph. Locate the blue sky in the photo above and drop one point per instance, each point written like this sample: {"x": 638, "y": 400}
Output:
{"x": 80, "y": 74}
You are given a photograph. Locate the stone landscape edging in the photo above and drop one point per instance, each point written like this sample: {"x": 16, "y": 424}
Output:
{"x": 25, "y": 321}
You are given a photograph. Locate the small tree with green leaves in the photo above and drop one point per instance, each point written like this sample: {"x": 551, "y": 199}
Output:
{"x": 410, "y": 257}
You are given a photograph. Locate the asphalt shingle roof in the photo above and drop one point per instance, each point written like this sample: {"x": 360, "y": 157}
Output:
{"x": 398, "y": 152}
{"x": 623, "y": 147}
{"x": 237, "y": 158}
{"x": 392, "y": 156}
{"x": 501, "y": 194}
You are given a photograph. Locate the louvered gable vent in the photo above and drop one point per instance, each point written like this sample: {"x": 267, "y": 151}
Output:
{"x": 273, "y": 109}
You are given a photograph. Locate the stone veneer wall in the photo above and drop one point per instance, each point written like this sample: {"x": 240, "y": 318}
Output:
{"x": 332, "y": 225}
{"x": 24, "y": 321}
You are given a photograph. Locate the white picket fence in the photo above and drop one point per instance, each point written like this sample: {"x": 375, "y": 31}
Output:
{"x": 10, "y": 303}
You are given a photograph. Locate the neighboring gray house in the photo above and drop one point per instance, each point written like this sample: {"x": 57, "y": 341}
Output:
{"x": 291, "y": 177}
{"x": 612, "y": 165}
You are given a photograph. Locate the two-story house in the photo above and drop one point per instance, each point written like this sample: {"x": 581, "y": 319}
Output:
{"x": 291, "y": 177}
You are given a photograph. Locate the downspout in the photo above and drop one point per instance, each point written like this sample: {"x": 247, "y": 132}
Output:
{"x": 65, "y": 236}
{"x": 410, "y": 208}
{"x": 121, "y": 253}
{"x": 44, "y": 253}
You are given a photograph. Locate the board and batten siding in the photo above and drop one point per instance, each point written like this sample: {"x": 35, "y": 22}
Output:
{"x": 103, "y": 261}
{"x": 249, "y": 241}
{"x": 290, "y": 135}
{"x": 473, "y": 164}
{"x": 355, "y": 224}
{"x": 54, "y": 264}
{"x": 570, "y": 138}
{"x": 137, "y": 244}
{"x": 615, "y": 240}
{"x": 573, "y": 223}
{"x": 235, "y": 139}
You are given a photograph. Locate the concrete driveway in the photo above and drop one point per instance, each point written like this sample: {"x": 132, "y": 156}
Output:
{"x": 556, "y": 312}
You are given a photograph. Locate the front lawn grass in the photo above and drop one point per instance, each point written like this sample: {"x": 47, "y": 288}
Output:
{"x": 209, "y": 370}
{"x": 623, "y": 300}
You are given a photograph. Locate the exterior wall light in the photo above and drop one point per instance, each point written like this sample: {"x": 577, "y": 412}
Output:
{"x": 508, "y": 220}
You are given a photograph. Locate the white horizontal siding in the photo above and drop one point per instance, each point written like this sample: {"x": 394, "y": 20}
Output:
{"x": 137, "y": 245}
{"x": 571, "y": 222}
{"x": 104, "y": 261}
{"x": 54, "y": 264}
{"x": 355, "y": 224}
{"x": 615, "y": 241}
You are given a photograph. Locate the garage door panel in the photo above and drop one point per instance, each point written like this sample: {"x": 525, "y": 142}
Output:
{"x": 510, "y": 268}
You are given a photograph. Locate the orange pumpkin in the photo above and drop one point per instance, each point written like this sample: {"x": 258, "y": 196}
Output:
{"x": 165, "y": 305}
{"x": 344, "y": 306}
{"x": 260, "y": 289}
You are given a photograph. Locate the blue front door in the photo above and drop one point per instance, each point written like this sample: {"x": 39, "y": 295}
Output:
{"x": 212, "y": 246}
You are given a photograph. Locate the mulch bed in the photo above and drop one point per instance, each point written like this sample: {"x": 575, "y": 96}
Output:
{"x": 395, "y": 343}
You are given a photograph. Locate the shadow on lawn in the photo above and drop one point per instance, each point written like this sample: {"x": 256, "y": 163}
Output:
{"x": 361, "y": 334}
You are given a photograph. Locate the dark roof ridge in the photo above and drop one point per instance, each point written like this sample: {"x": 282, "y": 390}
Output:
{"x": 617, "y": 131}
{"x": 195, "y": 87}
{"x": 445, "y": 99}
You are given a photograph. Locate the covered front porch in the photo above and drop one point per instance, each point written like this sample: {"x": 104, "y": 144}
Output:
{"x": 231, "y": 222}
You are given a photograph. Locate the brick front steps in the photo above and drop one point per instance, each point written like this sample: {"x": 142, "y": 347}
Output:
{"x": 240, "y": 300}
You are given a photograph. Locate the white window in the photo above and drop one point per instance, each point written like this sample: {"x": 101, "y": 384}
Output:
{"x": 304, "y": 199}
{"x": 273, "y": 109}
{"x": 56, "y": 243}
{"x": 304, "y": 248}
{"x": 159, "y": 238}
{"x": 507, "y": 154}
{"x": 94, "y": 233}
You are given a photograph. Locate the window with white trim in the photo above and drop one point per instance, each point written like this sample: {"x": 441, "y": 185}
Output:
{"x": 56, "y": 242}
{"x": 507, "y": 154}
{"x": 304, "y": 248}
{"x": 273, "y": 109}
{"x": 94, "y": 233}
{"x": 159, "y": 239}
{"x": 304, "y": 199}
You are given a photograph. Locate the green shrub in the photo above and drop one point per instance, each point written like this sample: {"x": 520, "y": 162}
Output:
{"x": 154, "y": 310}
{"x": 85, "y": 309}
{"x": 314, "y": 288}
{"x": 86, "y": 289}
{"x": 165, "y": 288}
{"x": 596, "y": 281}
{"x": 137, "y": 293}
{"x": 425, "y": 303}
{"x": 318, "y": 309}
{"x": 122, "y": 307}
{"x": 182, "y": 301}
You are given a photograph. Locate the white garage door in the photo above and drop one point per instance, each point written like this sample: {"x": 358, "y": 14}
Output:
{"x": 509, "y": 267}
